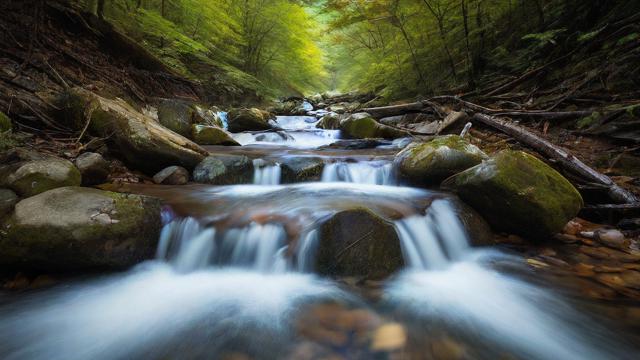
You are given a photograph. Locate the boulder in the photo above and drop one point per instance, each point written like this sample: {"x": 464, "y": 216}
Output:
{"x": 431, "y": 162}
{"x": 363, "y": 126}
{"x": 224, "y": 170}
{"x": 5, "y": 122}
{"x": 75, "y": 228}
{"x": 301, "y": 169}
{"x": 210, "y": 117}
{"x": 93, "y": 167}
{"x": 357, "y": 242}
{"x": 141, "y": 141}
{"x": 519, "y": 194}
{"x": 177, "y": 115}
{"x": 173, "y": 175}
{"x": 211, "y": 135}
{"x": 329, "y": 122}
{"x": 8, "y": 200}
{"x": 248, "y": 120}
{"x": 40, "y": 174}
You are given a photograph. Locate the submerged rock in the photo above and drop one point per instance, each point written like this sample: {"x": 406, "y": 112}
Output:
{"x": 431, "y": 162}
{"x": 301, "y": 169}
{"x": 248, "y": 120}
{"x": 357, "y": 242}
{"x": 173, "y": 175}
{"x": 93, "y": 167}
{"x": 363, "y": 126}
{"x": 8, "y": 200}
{"x": 224, "y": 170}
{"x": 5, "y": 122}
{"x": 139, "y": 139}
{"x": 32, "y": 177}
{"x": 75, "y": 228}
{"x": 211, "y": 135}
{"x": 519, "y": 194}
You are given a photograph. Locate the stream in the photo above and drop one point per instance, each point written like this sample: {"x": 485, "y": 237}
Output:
{"x": 228, "y": 284}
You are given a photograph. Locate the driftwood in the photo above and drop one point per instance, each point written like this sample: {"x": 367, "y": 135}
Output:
{"x": 561, "y": 156}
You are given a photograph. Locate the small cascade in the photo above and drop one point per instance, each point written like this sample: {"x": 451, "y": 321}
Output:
{"x": 266, "y": 173}
{"x": 434, "y": 240}
{"x": 223, "y": 115}
{"x": 370, "y": 172}
{"x": 189, "y": 246}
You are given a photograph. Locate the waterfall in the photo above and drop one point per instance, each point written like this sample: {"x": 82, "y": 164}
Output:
{"x": 265, "y": 173}
{"x": 223, "y": 115}
{"x": 370, "y": 172}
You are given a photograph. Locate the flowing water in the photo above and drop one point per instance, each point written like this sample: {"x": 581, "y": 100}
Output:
{"x": 235, "y": 273}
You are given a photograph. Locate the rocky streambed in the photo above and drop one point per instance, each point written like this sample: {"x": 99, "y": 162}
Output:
{"x": 305, "y": 235}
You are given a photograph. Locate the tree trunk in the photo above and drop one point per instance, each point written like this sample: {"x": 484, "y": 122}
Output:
{"x": 100, "y": 9}
{"x": 465, "y": 19}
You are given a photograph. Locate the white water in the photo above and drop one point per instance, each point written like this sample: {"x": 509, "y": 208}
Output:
{"x": 447, "y": 281}
{"x": 266, "y": 173}
{"x": 300, "y": 132}
{"x": 369, "y": 172}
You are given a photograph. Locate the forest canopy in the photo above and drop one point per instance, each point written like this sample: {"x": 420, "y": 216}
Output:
{"x": 395, "y": 48}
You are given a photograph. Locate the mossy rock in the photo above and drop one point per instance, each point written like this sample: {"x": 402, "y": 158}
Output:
{"x": 329, "y": 122}
{"x": 518, "y": 194}
{"x": 357, "y": 242}
{"x": 363, "y": 126}
{"x": 301, "y": 169}
{"x": 33, "y": 177}
{"x": 5, "y": 122}
{"x": 177, "y": 115}
{"x": 224, "y": 170}
{"x": 248, "y": 120}
{"x": 431, "y": 162}
{"x": 75, "y": 228}
{"x": 211, "y": 135}
{"x": 8, "y": 200}
{"x": 141, "y": 141}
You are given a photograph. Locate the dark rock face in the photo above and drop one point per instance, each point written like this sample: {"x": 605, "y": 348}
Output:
{"x": 431, "y": 162}
{"x": 301, "y": 169}
{"x": 224, "y": 170}
{"x": 357, "y": 242}
{"x": 75, "y": 228}
{"x": 176, "y": 115}
{"x": 93, "y": 167}
{"x": 173, "y": 175}
{"x": 519, "y": 194}
{"x": 141, "y": 141}
{"x": 248, "y": 120}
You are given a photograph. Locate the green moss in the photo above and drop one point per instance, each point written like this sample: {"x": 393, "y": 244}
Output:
{"x": 5, "y": 122}
{"x": 589, "y": 120}
{"x": 209, "y": 135}
{"x": 519, "y": 194}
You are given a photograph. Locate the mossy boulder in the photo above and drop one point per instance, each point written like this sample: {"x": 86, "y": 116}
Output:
{"x": 93, "y": 167}
{"x": 224, "y": 170}
{"x": 359, "y": 243}
{"x": 5, "y": 122}
{"x": 363, "y": 126}
{"x": 173, "y": 175}
{"x": 177, "y": 115}
{"x": 32, "y": 177}
{"x": 519, "y": 194}
{"x": 211, "y": 135}
{"x": 75, "y": 228}
{"x": 431, "y": 162}
{"x": 8, "y": 200}
{"x": 248, "y": 120}
{"x": 329, "y": 122}
{"x": 141, "y": 141}
{"x": 301, "y": 169}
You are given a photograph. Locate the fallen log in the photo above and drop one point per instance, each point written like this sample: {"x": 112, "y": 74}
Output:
{"x": 561, "y": 156}
{"x": 393, "y": 110}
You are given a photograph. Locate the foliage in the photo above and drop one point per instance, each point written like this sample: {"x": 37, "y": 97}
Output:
{"x": 264, "y": 47}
